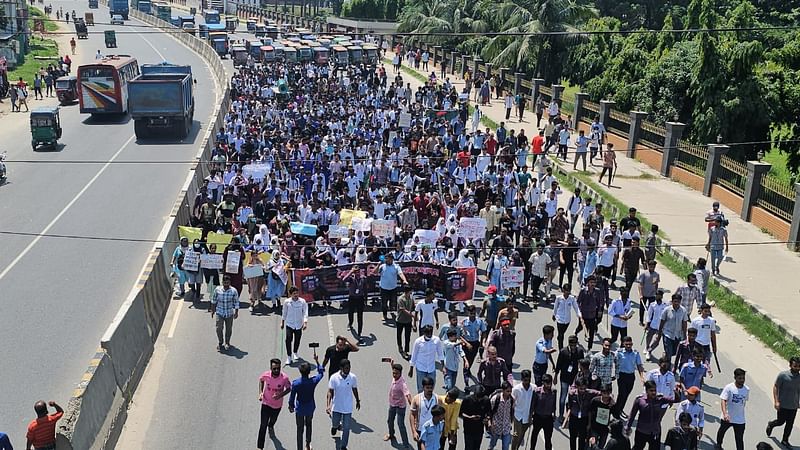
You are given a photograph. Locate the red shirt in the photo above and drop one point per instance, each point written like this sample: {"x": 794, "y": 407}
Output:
{"x": 537, "y": 143}
{"x": 42, "y": 430}
{"x": 491, "y": 146}
{"x": 463, "y": 158}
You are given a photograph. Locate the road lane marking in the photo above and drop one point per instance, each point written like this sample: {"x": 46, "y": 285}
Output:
{"x": 163, "y": 58}
{"x": 330, "y": 327}
{"x": 64, "y": 211}
{"x": 175, "y": 318}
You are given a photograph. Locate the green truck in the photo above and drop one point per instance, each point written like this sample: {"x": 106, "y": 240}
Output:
{"x": 163, "y": 12}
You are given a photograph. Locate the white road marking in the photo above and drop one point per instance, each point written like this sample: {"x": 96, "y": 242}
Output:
{"x": 163, "y": 58}
{"x": 331, "y": 336}
{"x": 175, "y": 318}
{"x": 63, "y": 211}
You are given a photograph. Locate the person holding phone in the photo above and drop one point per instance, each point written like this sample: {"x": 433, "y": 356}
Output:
{"x": 301, "y": 401}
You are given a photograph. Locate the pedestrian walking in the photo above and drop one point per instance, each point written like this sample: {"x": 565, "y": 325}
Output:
{"x": 342, "y": 389}
{"x": 504, "y": 340}
{"x": 493, "y": 371}
{"x": 474, "y": 410}
{"x": 655, "y": 311}
{"x": 628, "y": 365}
{"x": 338, "y": 352}
{"x": 390, "y": 273}
{"x": 399, "y": 399}
{"x": 430, "y": 434}
{"x": 683, "y": 436}
{"x": 273, "y": 385}
{"x": 695, "y": 410}
{"x": 452, "y": 407}
{"x": 426, "y": 311}
{"x": 543, "y": 353}
{"x": 41, "y": 433}
{"x": 294, "y": 320}
{"x": 620, "y": 311}
{"x": 562, "y": 312}
{"x": 522, "y": 393}
{"x": 404, "y": 321}
{"x": 301, "y": 401}
{"x": 454, "y": 357}
{"x": 427, "y": 350}
{"x": 37, "y": 87}
{"x": 673, "y": 326}
{"x": 475, "y": 331}
{"x": 786, "y": 398}
{"x": 733, "y": 400}
{"x": 567, "y": 367}
{"x": 357, "y": 300}
{"x": 648, "y": 407}
{"x": 225, "y": 305}
{"x": 591, "y": 304}
{"x": 422, "y": 406}
{"x": 577, "y": 416}
{"x": 501, "y": 418}
{"x": 601, "y": 409}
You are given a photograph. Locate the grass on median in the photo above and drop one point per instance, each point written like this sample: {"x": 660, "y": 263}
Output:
{"x": 43, "y": 48}
{"x": 732, "y": 305}
{"x": 49, "y": 25}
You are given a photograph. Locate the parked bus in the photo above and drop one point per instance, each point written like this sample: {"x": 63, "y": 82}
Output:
{"x": 356, "y": 54}
{"x": 267, "y": 54}
{"x": 272, "y": 31}
{"x": 290, "y": 54}
{"x": 211, "y": 16}
{"x": 321, "y": 56}
{"x": 340, "y": 56}
{"x": 231, "y": 23}
{"x": 251, "y": 25}
{"x": 371, "y": 54}
{"x": 254, "y": 48}
{"x": 260, "y": 30}
{"x": 216, "y": 28}
{"x": 103, "y": 85}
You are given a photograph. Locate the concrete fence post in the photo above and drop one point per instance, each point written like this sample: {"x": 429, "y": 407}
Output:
{"x": 580, "y": 97}
{"x": 635, "y": 132}
{"x": 794, "y": 230}
{"x": 502, "y": 75}
{"x": 670, "y": 150}
{"x": 715, "y": 152}
{"x": 557, "y": 91}
{"x": 752, "y": 187}
{"x": 488, "y": 71}
{"x": 475, "y": 63}
{"x": 518, "y": 82}
{"x": 453, "y": 56}
{"x": 605, "y": 111}
{"x": 464, "y": 59}
{"x": 438, "y": 55}
{"x": 537, "y": 83}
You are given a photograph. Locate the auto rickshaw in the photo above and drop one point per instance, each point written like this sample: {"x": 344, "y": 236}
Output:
{"x": 111, "y": 38}
{"x": 67, "y": 89}
{"x": 45, "y": 126}
{"x": 89, "y": 19}
{"x": 80, "y": 29}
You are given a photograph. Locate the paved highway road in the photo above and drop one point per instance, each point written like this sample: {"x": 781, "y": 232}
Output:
{"x": 59, "y": 295}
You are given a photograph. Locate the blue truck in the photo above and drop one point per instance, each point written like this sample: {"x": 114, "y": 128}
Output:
{"x": 118, "y": 7}
{"x": 161, "y": 100}
{"x": 145, "y": 6}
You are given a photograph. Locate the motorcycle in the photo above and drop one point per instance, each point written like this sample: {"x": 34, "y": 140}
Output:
{"x": 2, "y": 168}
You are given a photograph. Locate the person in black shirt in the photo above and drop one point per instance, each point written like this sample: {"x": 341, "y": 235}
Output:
{"x": 337, "y": 352}
{"x": 600, "y": 413}
{"x": 358, "y": 297}
{"x": 684, "y": 436}
{"x": 566, "y": 264}
{"x": 475, "y": 410}
{"x": 567, "y": 366}
{"x": 625, "y": 222}
{"x": 525, "y": 252}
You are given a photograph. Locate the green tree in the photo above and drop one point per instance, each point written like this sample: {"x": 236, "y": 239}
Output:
{"x": 428, "y": 16}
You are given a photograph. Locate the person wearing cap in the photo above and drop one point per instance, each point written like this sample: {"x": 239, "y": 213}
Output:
{"x": 692, "y": 406}
{"x": 504, "y": 340}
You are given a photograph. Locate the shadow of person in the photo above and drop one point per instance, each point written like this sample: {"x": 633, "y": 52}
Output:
{"x": 276, "y": 443}
{"x": 235, "y": 352}
{"x": 358, "y": 428}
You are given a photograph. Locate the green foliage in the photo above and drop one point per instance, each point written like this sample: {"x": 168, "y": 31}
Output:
{"x": 336, "y": 7}
{"x": 364, "y": 9}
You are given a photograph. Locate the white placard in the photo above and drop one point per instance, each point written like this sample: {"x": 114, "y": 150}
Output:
{"x": 512, "y": 277}
{"x": 232, "y": 264}
{"x": 254, "y": 271}
{"x": 338, "y": 232}
{"x": 191, "y": 261}
{"x": 383, "y": 228}
{"x": 472, "y": 228}
{"x": 360, "y": 224}
{"x": 404, "y": 121}
{"x": 428, "y": 237}
{"x": 211, "y": 261}
{"x": 256, "y": 171}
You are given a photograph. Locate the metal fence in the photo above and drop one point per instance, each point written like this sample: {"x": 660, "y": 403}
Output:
{"x": 692, "y": 157}
{"x": 777, "y": 197}
{"x": 546, "y": 92}
{"x": 618, "y": 123}
{"x": 732, "y": 175}
{"x": 652, "y": 135}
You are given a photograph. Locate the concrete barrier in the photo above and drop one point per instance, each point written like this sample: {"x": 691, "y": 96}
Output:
{"x": 97, "y": 410}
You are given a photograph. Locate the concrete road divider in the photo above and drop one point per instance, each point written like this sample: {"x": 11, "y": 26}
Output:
{"x": 97, "y": 411}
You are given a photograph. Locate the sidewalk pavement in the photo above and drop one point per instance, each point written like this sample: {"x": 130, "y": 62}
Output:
{"x": 766, "y": 275}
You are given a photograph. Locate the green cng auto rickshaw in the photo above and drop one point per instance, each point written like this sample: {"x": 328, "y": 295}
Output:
{"x": 111, "y": 38}
{"x": 45, "y": 126}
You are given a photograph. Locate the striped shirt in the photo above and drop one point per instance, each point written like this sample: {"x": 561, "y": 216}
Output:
{"x": 42, "y": 430}
{"x": 226, "y": 301}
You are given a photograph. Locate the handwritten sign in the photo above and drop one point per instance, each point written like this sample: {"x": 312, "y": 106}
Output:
{"x": 427, "y": 237}
{"x": 512, "y": 277}
{"x": 191, "y": 261}
{"x": 360, "y": 224}
{"x": 211, "y": 261}
{"x": 404, "y": 121}
{"x": 347, "y": 215}
{"x": 338, "y": 232}
{"x": 303, "y": 228}
{"x": 383, "y": 228}
{"x": 472, "y": 228}
{"x": 255, "y": 171}
{"x": 253, "y": 271}
{"x": 232, "y": 264}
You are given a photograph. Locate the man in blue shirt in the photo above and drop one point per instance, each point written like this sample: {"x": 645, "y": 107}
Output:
{"x": 431, "y": 432}
{"x": 475, "y": 331}
{"x": 629, "y": 362}
{"x": 544, "y": 351}
{"x": 693, "y": 372}
{"x": 390, "y": 273}
{"x": 5, "y": 442}
{"x": 301, "y": 400}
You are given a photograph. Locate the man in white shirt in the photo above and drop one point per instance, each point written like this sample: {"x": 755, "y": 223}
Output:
{"x": 562, "y": 314}
{"x": 522, "y": 394}
{"x": 663, "y": 378}
{"x": 426, "y": 351}
{"x": 342, "y": 388}
{"x": 732, "y": 401}
{"x": 426, "y": 311}
{"x": 706, "y": 327}
{"x": 295, "y": 319}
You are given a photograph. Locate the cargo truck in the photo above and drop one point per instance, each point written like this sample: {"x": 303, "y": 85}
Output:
{"x": 119, "y": 7}
{"x": 144, "y": 6}
{"x": 164, "y": 12}
{"x": 161, "y": 100}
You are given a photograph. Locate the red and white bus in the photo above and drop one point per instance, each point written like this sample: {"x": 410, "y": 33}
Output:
{"x": 103, "y": 85}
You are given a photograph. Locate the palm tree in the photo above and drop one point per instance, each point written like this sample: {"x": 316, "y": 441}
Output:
{"x": 428, "y": 16}
{"x": 543, "y": 53}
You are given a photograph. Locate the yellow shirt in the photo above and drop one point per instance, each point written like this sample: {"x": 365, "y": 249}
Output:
{"x": 451, "y": 411}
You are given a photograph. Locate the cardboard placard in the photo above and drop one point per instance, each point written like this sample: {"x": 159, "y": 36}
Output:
{"x": 303, "y": 228}
{"x": 232, "y": 264}
{"x": 211, "y": 261}
{"x": 347, "y": 215}
{"x": 338, "y": 232}
{"x": 359, "y": 224}
{"x": 254, "y": 271}
{"x": 427, "y": 237}
{"x": 191, "y": 261}
{"x": 512, "y": 277}
{"x": 472, "y": 228}
{"x": 383, "y": 228}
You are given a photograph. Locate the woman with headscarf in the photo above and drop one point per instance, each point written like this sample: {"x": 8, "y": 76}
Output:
{"x": 263, "y": 236}
{"x": 177, "y": 265}
{"x": 255, "y": 285}
{"x": 361, "y": 254}
{"x": 440, "y": 255}
{"x": 497, "y": 263}
{"x": 277, "y": 277}
{"x": 463, "y": 259}
{"x": 211, "y": 276}
{"x": 195, "y": 277}
{"x": 441, "y": 228}
{"x": 237, "y": 279}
